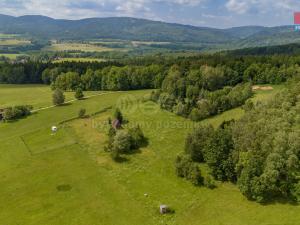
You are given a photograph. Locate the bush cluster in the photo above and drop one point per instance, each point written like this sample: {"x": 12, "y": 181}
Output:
{"x": 16, "y": 112}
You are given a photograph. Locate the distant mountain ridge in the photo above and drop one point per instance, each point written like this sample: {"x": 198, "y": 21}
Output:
{"x": 127, "y": 28}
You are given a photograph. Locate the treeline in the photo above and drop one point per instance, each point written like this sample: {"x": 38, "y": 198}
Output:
{"x": 260, "y": 152}
{"x": 109, "y": 78}
{"x": 200, "y": 93}
{"x": 289, "y": 49}
{"x": 31, "y": 72}
{"x": 186, "y": 75}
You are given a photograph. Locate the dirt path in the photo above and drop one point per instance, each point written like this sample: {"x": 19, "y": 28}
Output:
{"x": 262, "y": 88}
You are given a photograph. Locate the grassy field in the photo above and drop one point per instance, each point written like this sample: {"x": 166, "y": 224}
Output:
{"x": 78, "y": 60}
{"x": 67, "y": 178}
{"x": 14, "y": 42}
{"x": 76, "y": 47}
{"x": 38, "y": 96}
{"x": 10, "y": 56}
{"x": 10, "y": 36}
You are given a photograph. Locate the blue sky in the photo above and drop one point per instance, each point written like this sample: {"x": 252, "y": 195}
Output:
{"x": 211, "y": 13}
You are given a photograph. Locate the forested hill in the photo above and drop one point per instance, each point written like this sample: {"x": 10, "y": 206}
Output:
{"x": 289, "y": 49}
{"x": 145, "y": 30}
{"x": 114, "y": 28}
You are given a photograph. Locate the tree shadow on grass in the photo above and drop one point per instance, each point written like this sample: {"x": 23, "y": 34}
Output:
{"x": 121, "y": 159}
{"x": 64, "y": 188}
{"x": 282, "y": 201}
{"x": 64, "y": 104}
{"x": 16, "y": 120}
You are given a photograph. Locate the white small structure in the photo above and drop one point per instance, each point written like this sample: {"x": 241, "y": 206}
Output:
{"x": 54, "y": 129}
{"x": 163, "y": 209}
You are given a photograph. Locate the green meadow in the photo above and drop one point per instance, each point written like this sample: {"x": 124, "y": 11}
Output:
{"x": 38, "y": 96}
{"x": 68, "y": 178}
{"x": 10, "y": 56}
{"x": 76, "y": 47}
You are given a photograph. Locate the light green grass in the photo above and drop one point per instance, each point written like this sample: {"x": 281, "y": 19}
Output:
{"x": 79, "y": 184}
{"x": 78, "y": 60}
{"x": 264, "y": 95}
{"x": 76, "y": 47}
{"x": 11, "y": 56}
{"x": 14, "y": 42}
{"x": 38, "y": 96}
{"x": 45, "y": 140}
{"x": 8, "y": 36}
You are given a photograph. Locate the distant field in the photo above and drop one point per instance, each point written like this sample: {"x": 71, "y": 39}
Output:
{"x": 8, "y": 36}
{"x": 11, "y": 56}
{"x": 37, "y": 95}
{"x": 78, "y": 60}
{"x": 77, "y": 183}
{"x": 14, "y": 42}
{"x": 77, "y": 47}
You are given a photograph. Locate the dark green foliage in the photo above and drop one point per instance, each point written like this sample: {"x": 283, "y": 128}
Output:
{"x": 79, "y": 94}
{"x": 67, "y": 81}
{"x": 205, "y": 103}
{"x": 155, "y": 95}
{"x": 167, "y": 101}
{"x": 219, "y": 155}
{"x": 16, "y": 112}
{"x": 137, "y": 137}
{"x": 186, "y": 168}
{"x": 260, "y": 152}
{"x": 122, "y": 142}
{"x": 58, "y": 97}
{"x": 197, "y": 141}
{"x": 81, "y": 113}
{"x": 118, "y": 115}
{"x": 296, "y": 192}
{"x": 249, "y": 105}
{"x": 209, "y": 182}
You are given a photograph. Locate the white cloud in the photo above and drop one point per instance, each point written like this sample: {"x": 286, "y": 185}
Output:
{"x": 262, "y": 6}
{"x": 87, "y": 8}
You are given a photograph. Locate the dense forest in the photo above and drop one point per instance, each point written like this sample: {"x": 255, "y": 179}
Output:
{"x": 231, "y": 69}
{"x": 260, "y": 152}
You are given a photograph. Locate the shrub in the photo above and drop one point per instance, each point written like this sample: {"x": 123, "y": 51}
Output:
{"x": 58, "y": 97}
{"x": 137, "y": 137}
{"x": 17, "y": 112}
{"x": 189, "y": 170}
{"x": 81, "y": 113}
{"x": 118, "y": 115}
{"x": 209, "y": 182}
{"x": 79, "y": 94}
{"x": 122, "y": 142}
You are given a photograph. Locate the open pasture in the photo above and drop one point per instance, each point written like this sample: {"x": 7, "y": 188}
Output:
{"x": 13, "y": 42}
{"x": 8, "y": 36}
{"x": 46, "y": 140}
{"x": 38, "y": 96}
{"x": 78, "y": 60}
{"x": 76, "y": 47}
{"x": 10, "y": 56}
